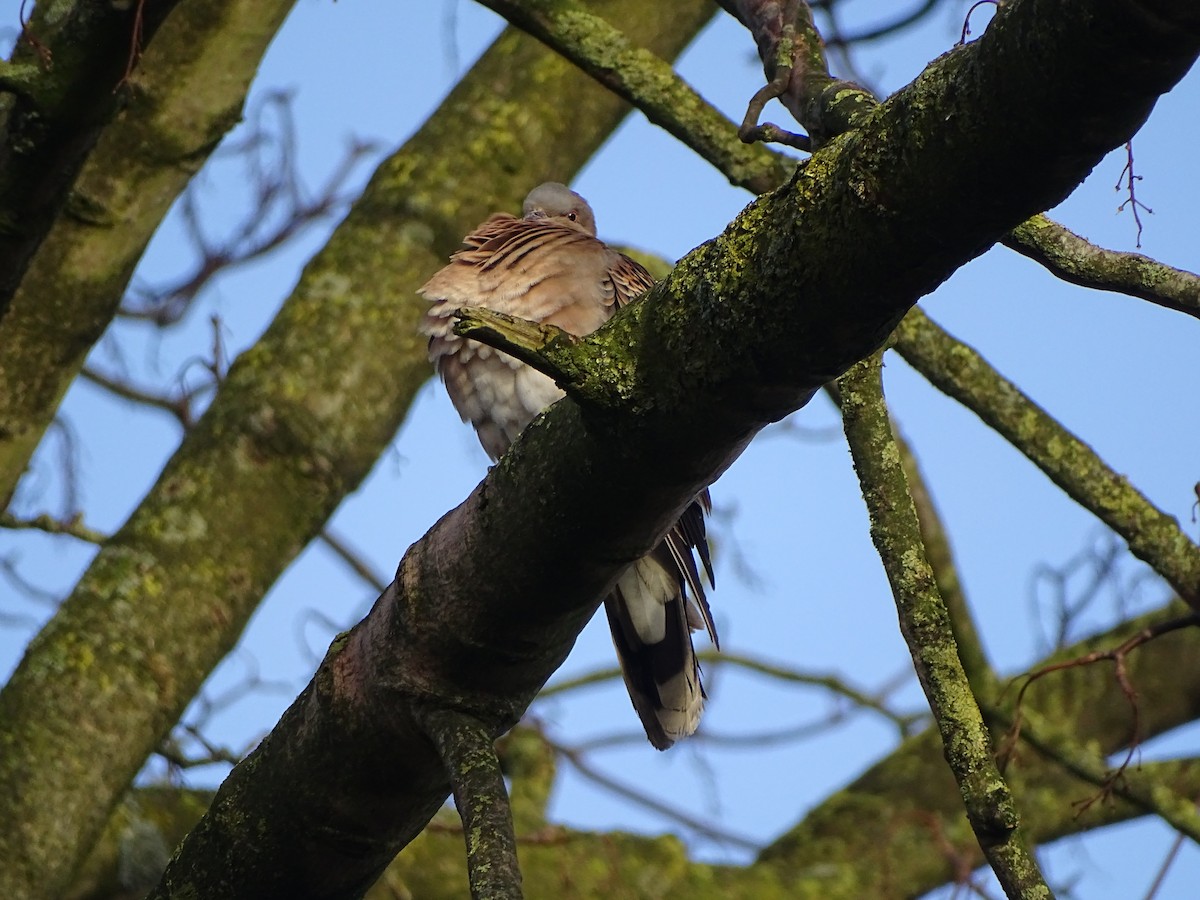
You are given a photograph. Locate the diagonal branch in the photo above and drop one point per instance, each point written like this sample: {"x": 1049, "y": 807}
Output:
{"x": 925, "y": 624}
{"x": 909, "y": 800}
{"x": 1074, "y": 259}
{"x": 648, "y": 82}
{"x": 466, "y": 748}
{"x": 959, "y": 371}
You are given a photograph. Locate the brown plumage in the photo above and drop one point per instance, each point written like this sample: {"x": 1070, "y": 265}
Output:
{"x": 549, "y": 266}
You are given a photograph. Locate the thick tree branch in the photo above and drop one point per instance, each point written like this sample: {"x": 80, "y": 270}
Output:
{"x": 925, "y": 624}
{"x": 960, "y": 372}
{"x": 64, "y": 86}
{"x": 486, "y": 606}
{"x": 1073, "y": 259}
{"x": 654, "y": 88}
{"x": 187, "y": 92}
{"x": 296, "y": 425}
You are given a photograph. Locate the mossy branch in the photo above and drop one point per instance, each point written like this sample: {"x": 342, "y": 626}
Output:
{"x": 940, "y": 556}
{"x": 925, "y": 624}
{"x": 468, "y": 750}
{"x": 556, "y": 353}
{"x": 649, "y": 83}
{"x": 835, "y": 106}
{"x": 960, "y": 372}
{"x": 22, "y": 79}
{"x": 1080, "y": 262}
{"x": 1135, "y": 785}
{"x": 941, "y": 561}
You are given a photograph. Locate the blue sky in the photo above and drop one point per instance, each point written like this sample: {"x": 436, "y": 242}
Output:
{"x": 1115, "y": 370}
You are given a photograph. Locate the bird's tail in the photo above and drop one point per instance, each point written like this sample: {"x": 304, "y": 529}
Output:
{"x": 652, "y": 610}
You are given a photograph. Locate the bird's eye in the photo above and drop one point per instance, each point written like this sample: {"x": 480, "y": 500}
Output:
{"x": 572, "y": 215}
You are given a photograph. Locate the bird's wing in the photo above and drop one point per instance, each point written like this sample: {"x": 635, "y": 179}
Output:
{"x": 629, "y": 278}
{"x": 535, "y": 269}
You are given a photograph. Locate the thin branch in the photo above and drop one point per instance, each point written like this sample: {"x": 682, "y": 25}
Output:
{"x": 884, "y": 29}
{"x": 1073, "y": 259}
{"x": 352, "y": 558}
{"x": 469, "y": 753}
{"x": 1127, "y": 181}
{"x": 281, "y": 209}
{"x": 179, "y": 407}
{"x": 793, "y": 57}
{"x": 966, "y": 26}
{"x": 925, "y": 624}
{"x": 177, "y": 757}
{"x": 650, "y": 84}
{"x": 1133, "y": 786}
{"x": 958, "y": 371}
{"x": 1099, "y": 566}
{"x": 1119, "y": 656}
{"x": 781, "y": 69}
{"x": 831, "y": 683}
{"x": 1168, "y": 861}
{"x": 700, "y": 826}
{"x": 45, "y": 522}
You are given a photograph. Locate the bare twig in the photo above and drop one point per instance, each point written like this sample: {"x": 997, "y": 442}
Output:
{"x": 1118, "y": 656}
{"x": 1169, "y": 860}
{"x": 1127, "y": 181}
{"x": 700, "y": 826}
{"x": 966, "y": 28}
{"x": 834, "y": 684}
{"x": 179, "y": 406}
{"x": 281, "y": 209}
{"x": 50, "y": 525}
{"x": 353, "y": 559}
{"x": 884, "y": 29}
{"x": 1098, "y": 566}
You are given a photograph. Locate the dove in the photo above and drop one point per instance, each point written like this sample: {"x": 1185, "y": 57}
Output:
{"x": 548, "y": 266}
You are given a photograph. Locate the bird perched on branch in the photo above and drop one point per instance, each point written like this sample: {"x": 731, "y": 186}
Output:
{"x": 549, "y": 266}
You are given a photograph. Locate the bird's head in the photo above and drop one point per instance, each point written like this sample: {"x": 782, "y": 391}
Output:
{"x": 558, "y": 203}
